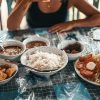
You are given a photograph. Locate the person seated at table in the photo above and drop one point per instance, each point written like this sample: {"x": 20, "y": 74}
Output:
{"x": 0, "y": 14}
{"x": 52, "y": 14}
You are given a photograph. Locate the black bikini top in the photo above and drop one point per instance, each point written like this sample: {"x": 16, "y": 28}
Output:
{"x": 36, "y": 18}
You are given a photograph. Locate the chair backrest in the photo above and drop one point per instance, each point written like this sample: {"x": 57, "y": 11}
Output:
{"x": 96, "y": 3}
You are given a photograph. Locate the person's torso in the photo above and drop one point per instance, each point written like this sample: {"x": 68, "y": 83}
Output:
{"x": 36, "y": 18}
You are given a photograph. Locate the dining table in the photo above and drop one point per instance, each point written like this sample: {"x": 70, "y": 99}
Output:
{"x": 63, "y": 85}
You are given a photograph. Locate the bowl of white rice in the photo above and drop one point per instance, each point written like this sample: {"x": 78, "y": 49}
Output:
{"x": 45, "y": 60}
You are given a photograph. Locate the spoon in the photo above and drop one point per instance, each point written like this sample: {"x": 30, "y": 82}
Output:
{"x": 3, "y": 49}
{"x": 36, "y": 69}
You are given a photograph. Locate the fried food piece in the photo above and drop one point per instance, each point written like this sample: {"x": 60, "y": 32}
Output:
{"x": 10, "y": 71}
{"x": 3, "y": 76}
{"x": 80, "y": 65}
{"x": 86, "y": 58}
{"x": 3, "y": 70}
{"x": 87, "y": 73}
{"x": 5, "y": 66}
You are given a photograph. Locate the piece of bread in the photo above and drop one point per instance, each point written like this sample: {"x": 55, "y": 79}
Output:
{"x": 10, "y": 71}
{"x": 3, "y": 76}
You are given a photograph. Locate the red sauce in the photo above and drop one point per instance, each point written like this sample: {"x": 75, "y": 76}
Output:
{"x": 35, "y": 44}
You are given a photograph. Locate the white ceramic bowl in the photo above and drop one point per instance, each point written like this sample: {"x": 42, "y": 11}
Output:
{"x": 11, "y": 42}
{"x": 71, "y": 56}
{"x": 36, "y": 38}
{"x": 12, "y": 65}
{"x": 49, "y": 50}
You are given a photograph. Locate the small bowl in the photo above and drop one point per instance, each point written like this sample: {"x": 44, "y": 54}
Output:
{"x": 12, "y": 65}
{"x": 71, "y": 56}
{"x": 49, "y": 50}
{"x": 36, "y": 38}
{"x": 11, "y": 42}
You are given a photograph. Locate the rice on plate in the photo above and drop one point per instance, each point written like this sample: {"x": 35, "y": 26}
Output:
{"x": 44, "y": 61}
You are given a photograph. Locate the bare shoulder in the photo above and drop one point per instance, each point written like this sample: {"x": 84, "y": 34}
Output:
{"x": 77, "y": 2}
{"x": 82, "y": 2}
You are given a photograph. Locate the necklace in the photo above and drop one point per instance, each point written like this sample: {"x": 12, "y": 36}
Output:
{"x": 49, "y": 5}
{"x": 48, "y": 2}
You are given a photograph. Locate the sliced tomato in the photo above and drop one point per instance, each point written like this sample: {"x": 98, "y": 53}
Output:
{"x": 85, "y": 58}
{"x": 80, "y": 65}
{"x": 89, "y": 60}
{"x": 81, "y": 59}
{"x": 87, "y": 73}
{"x": 88, "y": 56}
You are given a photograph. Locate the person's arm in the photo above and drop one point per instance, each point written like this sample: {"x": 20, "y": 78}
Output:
{"x": 93, "y": 15}
{"x": 92, "y": 19}
{"x": 0, "y": 2}
{"x": 18, "y": 13}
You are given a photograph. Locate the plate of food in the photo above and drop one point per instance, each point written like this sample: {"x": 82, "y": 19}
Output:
{"x": 88, "y": 68}
{"x": 12, "y": 49}
{"x": 45, "y": 60}
{"x": 7, "y": 71}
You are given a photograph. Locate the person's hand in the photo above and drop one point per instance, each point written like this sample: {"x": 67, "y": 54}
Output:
{"x": 61, "y": 27}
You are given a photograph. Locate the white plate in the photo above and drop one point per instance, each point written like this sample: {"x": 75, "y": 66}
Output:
{"x": 78, "y": 73}
{"x": 2, "y": 61}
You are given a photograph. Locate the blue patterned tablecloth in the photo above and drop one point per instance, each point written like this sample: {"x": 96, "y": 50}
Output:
{"x": 28, "y": 86}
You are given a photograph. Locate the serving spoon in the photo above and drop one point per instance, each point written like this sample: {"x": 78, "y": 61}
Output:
{"x": 37, "y": 69}
{"x": 1, "y": 47}
{"x": 40, "y": 70}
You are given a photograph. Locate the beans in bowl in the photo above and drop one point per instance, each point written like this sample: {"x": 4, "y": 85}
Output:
{"x": 11, "y": 50}
{"x": 73, "y": 48}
